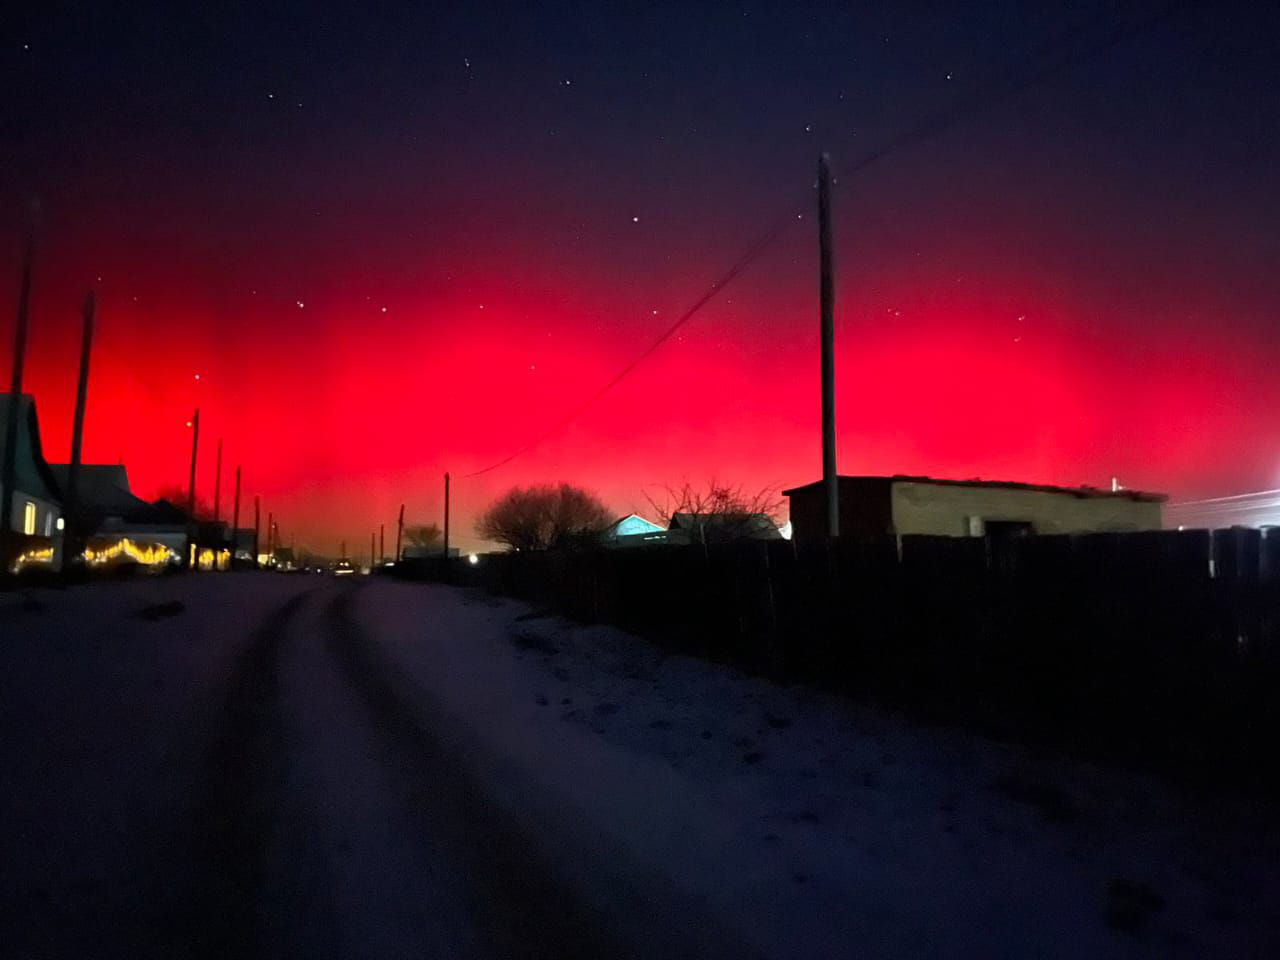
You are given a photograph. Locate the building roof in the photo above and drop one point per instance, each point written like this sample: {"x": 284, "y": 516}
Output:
{"x": 1080, "y": 492}
{"x": 748, "y": 524}
{"x": 31, "y": 472}
{"x": 631, "y": 525}
{"x": 103, "y": 487}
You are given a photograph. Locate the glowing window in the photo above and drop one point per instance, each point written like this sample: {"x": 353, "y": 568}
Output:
{"x": 29, "y": 518}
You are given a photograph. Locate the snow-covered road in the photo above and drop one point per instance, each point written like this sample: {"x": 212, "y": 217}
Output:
{"x": 296, "y": 767}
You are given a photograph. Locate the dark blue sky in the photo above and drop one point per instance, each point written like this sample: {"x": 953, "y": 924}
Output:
{"x": 1098, "y": 178}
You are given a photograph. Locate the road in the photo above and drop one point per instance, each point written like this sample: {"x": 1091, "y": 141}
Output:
{"x": 269, "y": 766}
{"x": 312, "y": 811}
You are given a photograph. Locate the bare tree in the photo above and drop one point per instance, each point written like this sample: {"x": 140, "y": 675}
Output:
{"x": 177, "y": 496}
{"x": 718, "y": 512}
{"x": 424, "y": 535}
{"x": 544, "y": 517}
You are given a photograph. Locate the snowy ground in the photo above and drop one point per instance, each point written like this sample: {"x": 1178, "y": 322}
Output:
{"x": 272, "y": 766}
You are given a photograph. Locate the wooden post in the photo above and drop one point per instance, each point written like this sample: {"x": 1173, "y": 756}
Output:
{"x": 399, "y": 532}
{"x": 826, "y": 280}
{"x": 446, "y": 516}
{"x": 8, "y": 473}
{"x": 235, "y": 518}
{"x": 257, "y": 527}
{"x": 217, "y": 485}
{"x": 192, "y": 529}
{"x": 73, "y": 533}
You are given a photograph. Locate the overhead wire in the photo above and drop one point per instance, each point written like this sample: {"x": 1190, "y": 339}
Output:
{"x": 938, "y": 122}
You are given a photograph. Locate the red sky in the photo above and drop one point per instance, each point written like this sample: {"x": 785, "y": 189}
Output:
{"x": 1072, "y": 281}
{"x": 339, "y": 412}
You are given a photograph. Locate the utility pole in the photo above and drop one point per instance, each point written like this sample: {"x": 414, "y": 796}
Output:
{"x": 235, "y": 516}
{"x": 373, "y": 545}
{"x": 192, "y": 530}
{"x": 72, "y": 533}
{"x": 399, "y": 532}
{"x": 195, "y": 449}
{"x": 382, "y": 542}
{"x": 257, "y": 527}
{"x": 271, "y": 533}
{"x": 8, "y": 474}
{"x": 217, "y": 485}
{"x": 826, "y": 279}
{"x": 446, "y": 516}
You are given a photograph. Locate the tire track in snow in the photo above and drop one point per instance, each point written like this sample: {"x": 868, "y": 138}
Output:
{"x": 521, "y": 908}
{"x": 235, "y": 821}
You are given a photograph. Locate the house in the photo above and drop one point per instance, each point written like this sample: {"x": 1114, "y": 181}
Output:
{"x": 120, "y": 526}
{"x": 632, "y": 530}
{"x": 706, "y": 528}
{"x": 37, "y": 500}
{"x": 969, "y": 508}
{"x": 31, "y": 535}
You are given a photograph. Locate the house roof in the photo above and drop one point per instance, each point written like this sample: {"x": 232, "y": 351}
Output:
{"x": 1080, "y": 492}
{"x": 103, "y": 487}
{"x": 755, "y": 523}
{"x": 631, "y": 525}
{"x": 31, "y": 472}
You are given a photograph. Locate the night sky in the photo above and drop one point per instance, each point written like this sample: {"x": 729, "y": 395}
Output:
{"x": 394, "y": 242}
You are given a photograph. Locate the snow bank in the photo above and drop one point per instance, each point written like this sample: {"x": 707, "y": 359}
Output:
{"x": 810, "y": 827}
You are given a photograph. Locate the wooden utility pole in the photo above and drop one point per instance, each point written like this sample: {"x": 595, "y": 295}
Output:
{"x": 382, "y": 542}
{"x": 71, "y": 538}
{"x": 826, "y": 279}
{"x": 399, "y": 532}
{"x": 373, "y": 545}
{"x": 271, "y": 534}
{"x": 235, "y": 518}
{"x": 192, "y": 529}
{"x": 446, "y": 516}
{"x": 257, "y": 527}
{"x": 195, "y": 450}
{"x": 217, "y": 485}
{"x": 8, "y": 473}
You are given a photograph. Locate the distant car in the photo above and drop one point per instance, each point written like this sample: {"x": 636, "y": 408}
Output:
{"x": 344, "y": 568}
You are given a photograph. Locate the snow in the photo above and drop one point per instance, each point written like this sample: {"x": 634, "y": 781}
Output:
{"x": 809, "y": 826}
{"x": 390, "y": 774}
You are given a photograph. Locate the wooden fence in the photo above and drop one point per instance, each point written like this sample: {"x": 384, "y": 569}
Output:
{"x": 1160, "y": 648}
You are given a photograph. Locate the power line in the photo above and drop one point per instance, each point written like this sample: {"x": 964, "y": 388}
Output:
{"x": 932, "y": 125}
{"x": 723, "y": 281}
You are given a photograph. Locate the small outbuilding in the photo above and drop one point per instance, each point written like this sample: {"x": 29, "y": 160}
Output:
{"x": 872, "y": 506}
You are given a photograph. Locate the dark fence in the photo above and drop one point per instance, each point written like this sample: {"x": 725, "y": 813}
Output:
{"x": 1158, "y": 648}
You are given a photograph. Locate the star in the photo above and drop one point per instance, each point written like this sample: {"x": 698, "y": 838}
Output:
{"x": 635, "y": 219}
{"x": 300, "y": 304}
{"x": 384, "y": 309}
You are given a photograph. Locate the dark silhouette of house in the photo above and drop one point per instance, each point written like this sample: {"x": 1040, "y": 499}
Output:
{"x": 119, "y": 524}
{"x": 706, "y": 528}
{"x": 871, "y": 506}
{"x": 37, "y": 498}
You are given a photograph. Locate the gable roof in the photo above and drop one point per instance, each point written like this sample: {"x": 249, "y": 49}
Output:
{"x": 631, "y": 525}
{"x": 31, "y": 473}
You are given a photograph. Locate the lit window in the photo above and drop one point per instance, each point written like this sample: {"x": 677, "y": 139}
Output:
{"x": 29, "y": 518}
